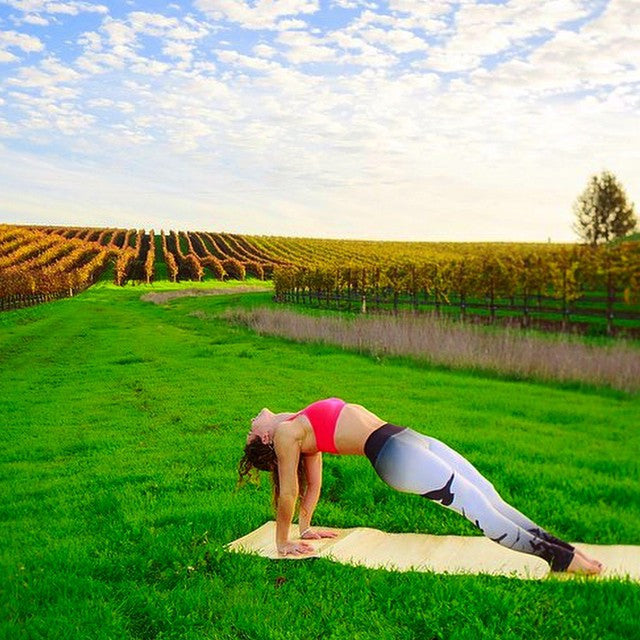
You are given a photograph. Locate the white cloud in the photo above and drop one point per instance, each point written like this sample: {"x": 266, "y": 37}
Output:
{"x": 47, "y": 114}
{"x": 6, "y": 56}
{"x": 91, "y": 41}
{"x": 117, "y": 44}
{"x": 428, "y": 16}
{"x": 100, "y": 103}
{"x": 236, "y": 59}
{"x": 95, "y": 63}
{"x": 302, "y": 47}
{"x": 33, "y": 8}
{"x": 357, "y": 51}
{"x": 481, "y": 30}
{"x": 23, "y": 41}
{"x": 7, "y": 130}
{"x": 180, "y": 50}
{"x": 34, "y": 18}
{"x": 605, "y": 53}
{"x": 398, "y": 40}
{"x": 146, "y": 66}
{"x": 353, "y": 4}
{"x": 120, "y": 34}
{"x": 155, "y": 24}
{"x": 285, "y": 25}
{"x": 426, "y": 10}
{"x": 265, "y": 51}
{"x": 72, "y": 7}
{"x": 261, "y": 14}
{"x": 49, "y": 73}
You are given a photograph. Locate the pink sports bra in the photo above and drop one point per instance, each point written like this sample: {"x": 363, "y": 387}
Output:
{"x": 323, "y": 416}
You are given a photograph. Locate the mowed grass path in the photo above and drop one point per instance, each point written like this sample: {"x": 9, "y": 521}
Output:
{"x": 122, "y": 425}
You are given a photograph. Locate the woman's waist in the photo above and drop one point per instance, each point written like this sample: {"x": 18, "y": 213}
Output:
{"x": 355, "y": 424}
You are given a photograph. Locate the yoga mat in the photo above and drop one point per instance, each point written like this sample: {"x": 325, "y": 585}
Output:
{"x": 441, "y": 554}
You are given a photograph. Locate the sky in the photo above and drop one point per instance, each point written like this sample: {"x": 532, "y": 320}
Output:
{"x": 426, "y": 120}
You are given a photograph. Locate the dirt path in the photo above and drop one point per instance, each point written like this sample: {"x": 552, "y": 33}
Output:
{"x": 165, "y": 296}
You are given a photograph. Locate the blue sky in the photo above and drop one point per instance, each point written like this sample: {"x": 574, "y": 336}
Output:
{"x": 403, "y": 119}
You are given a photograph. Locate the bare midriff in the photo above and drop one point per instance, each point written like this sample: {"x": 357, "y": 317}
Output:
{"x": 353, "y": 427}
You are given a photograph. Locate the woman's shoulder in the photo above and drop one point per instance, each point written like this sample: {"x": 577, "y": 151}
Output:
{"x": 292, "y": 426}
{"x": 288, "y": 437}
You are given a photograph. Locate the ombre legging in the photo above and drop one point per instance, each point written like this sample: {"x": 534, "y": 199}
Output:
{"x": 415, "y": 463}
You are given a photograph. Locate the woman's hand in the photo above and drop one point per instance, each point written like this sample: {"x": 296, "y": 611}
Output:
{"x": 294, "y": 548}
{"x": 316, "y": 535}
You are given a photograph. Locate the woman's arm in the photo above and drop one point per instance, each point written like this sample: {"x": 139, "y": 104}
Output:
{"x": 287, "y": 448}
{"x": 313, "y": 469}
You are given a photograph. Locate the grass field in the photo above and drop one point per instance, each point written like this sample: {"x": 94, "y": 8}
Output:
{"x": 123, "y": 422}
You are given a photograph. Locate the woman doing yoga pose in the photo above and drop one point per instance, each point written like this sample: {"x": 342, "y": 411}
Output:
{"x": 290, "y": 445}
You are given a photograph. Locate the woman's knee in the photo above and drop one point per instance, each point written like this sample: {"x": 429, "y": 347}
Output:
{"x": 465, "y": 468}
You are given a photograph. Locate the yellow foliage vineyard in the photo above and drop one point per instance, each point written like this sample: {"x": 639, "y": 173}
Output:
{"x": 42, "y": 262}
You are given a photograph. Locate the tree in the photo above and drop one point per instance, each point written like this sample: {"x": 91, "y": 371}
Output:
{"x": 603, "y": 211}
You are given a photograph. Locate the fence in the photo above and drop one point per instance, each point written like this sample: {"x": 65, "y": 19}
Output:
{"x": 22, "y": 300}
{"x": 528, "y": 311}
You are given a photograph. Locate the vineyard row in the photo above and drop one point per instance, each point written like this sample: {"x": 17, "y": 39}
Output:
{"x": 563, "y": 279}
{"x": 577, "y": 281}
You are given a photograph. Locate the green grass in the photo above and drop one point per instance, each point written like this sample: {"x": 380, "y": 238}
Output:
{"x": 122, "y": 425}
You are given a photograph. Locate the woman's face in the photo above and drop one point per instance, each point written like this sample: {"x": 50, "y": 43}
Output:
{"x": 262, "y": 427}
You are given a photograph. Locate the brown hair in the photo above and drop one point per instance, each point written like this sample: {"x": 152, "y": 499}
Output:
{"x": 262, "y": 457}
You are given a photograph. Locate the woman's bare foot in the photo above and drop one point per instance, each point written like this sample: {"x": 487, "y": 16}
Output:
{"x": 589, "y": 559}
{"x": 583, "y": 564}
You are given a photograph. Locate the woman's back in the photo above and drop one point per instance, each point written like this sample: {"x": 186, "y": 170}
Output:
{"x": 338, "y": 426}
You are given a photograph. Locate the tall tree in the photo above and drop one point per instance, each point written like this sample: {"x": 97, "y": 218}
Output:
{"x": 603, "y": 211}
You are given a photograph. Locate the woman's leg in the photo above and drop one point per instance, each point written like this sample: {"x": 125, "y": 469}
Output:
{"x": 462, "y": 466}
{"x": 403, "y": 459}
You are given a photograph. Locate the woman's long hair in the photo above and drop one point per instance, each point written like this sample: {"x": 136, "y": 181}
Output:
{"x": 262, "y": 457}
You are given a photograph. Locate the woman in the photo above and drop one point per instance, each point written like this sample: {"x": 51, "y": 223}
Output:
{"x": 290, "y": 445}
